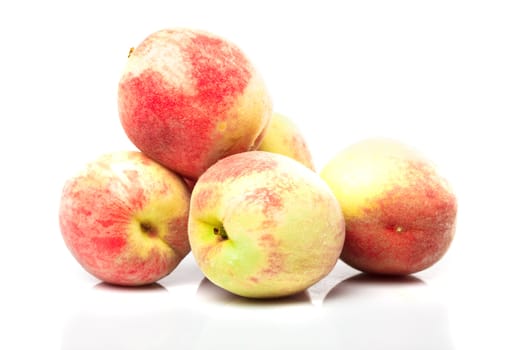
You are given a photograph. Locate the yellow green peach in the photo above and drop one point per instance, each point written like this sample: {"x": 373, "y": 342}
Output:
{"x": 263, "y": 225}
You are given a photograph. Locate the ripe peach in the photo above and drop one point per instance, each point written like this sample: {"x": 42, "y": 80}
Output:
{"x": 124, "y": 218}
{"x": 188, "y": 98}
{"x": 400, "y": 213}
{"x": 263, "y": 225}
{"x": 284, "y": 137}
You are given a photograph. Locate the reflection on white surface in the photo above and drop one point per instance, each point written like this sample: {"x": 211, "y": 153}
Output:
{"x": 369, "y": 312}
{"x": 346, "y": 310}
{"x": 115, "y": 318}
{"x": 241, "y": 323}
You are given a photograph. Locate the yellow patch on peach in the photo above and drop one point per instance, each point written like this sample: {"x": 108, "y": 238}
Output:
{"x": 284, "y": 137}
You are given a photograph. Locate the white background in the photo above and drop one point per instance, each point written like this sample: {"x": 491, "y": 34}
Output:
{"x": 447, "y": 77}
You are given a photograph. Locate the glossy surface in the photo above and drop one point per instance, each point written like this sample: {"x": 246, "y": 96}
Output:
{"x": 445, "y": 77}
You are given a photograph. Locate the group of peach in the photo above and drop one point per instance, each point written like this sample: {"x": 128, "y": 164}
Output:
{"x": 219, "y": 174}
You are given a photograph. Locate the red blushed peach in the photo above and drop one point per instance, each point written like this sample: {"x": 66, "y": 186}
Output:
{"x": 400, "y": 213}
{"x": 188, "y": 98}
{"x": 124, "y": 218}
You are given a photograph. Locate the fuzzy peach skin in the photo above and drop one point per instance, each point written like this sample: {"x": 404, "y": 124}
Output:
{"x": 284, "y": 137}
{"x": 188, "y": 98}
{"x": 263, "y": 225}
{"x": 400, "y": 213}
{"x": 124, "y": 218}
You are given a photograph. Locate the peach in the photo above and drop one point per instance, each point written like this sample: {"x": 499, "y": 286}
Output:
{"x": 124, "y": 218}
{"x": 188, "y": 98}
{"x": 283, "y": 136}
{"x": 400, "y": 212}
{"x": 263, "y": 225}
